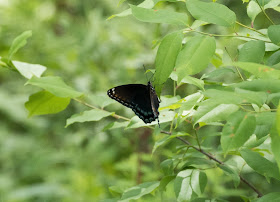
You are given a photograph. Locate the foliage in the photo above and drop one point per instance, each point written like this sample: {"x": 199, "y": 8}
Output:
{"x": 219, "y": 141}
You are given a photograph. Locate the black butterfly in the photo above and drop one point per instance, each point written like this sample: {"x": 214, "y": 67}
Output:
{"x": 142, "y": 99}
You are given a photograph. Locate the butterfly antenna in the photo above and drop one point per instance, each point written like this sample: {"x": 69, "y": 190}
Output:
{"x": 158, "y": 123}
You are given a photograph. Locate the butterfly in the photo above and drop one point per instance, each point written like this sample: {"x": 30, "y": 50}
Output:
{"x": 142, "y": 99}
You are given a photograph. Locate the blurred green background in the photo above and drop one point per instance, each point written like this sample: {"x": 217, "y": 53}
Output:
{"x": 40, "y": 159}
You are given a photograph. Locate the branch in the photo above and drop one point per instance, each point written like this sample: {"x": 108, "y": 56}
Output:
{"x": 265, "y": 12}
{"x": 93, "y": 107}
{"x": 249, "y": 28}
{"x": 181, "y": 139}
{"x": 215, "y": 159}
{"x": 219, "y": 35}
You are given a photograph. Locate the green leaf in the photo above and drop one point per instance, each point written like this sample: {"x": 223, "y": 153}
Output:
{"x": 273, "y": 98}
{"x": 198, "y": 23}
{"x": 239, "y": 127}
{"x": 28, "y": 70}
{"x": 165, "y": 181}
{"x": 264, "y": 123}
{"x": 182, "y": 188}
{"x": 252, "y": 51}
{"x": 264, "y": 85}
{"x": 253, "y": 141}
{"x": 116, "y": 191}
{"x": 166, "y": 139}
{"x": 114, "y": 125}
{"x": 44, "y": 102}
{"x": 214, "y": 113}
{"x": 278, "y": 119}
{"x": 217, "y": 60}
{"x": 202, "y": 181}
{"x": 253, "y": 10}
{"x": 277, "y": 9}
{"x": 3, "y": 62}
{"x": 238, "y": 97}
{"x": 260, "y": 164}
{"x": 190, "y": 80}
{"x": 168, "y": 100}
{"x": 144, "y": 4}
{"x": 211, "y": 12}
{"x": 232, "y": 173}
{"x": 199, "y": 163}
{"x": 187, "y": 184}
{"x": 188, "y": 103}
{"x": 273, "y": 33}
{"x": 272, "y": 4}
{"x": 166, "y": 58}
{"x": 195, "y": 56}
{"x": 140, "y": 190}
{"x": 19, "y": 42}
{"x": 91, "y": 115}
{"x": 159, "y": 16}
{"x": 217, "y": 73}
{"x": 271, "y": 197}
{"x": 160, "y": 143}
{"x": 121, "y": 2}
{"x": 167, "y": 167}
{"x": 259, "y": 70}
{"x": 55, "y": 85}
{"x": 273, "y": 59}
{"x": 194, "y": 81}
{"x": 275, "y": 142}
{"x": 101, "y": 99}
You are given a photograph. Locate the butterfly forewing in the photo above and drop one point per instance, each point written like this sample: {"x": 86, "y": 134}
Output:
{"x": 154, "y": 100}
{"x": 138, "y": 98}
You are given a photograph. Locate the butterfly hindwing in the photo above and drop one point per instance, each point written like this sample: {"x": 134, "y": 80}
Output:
{"x": 154, "y": 100}
{"x": 138, "y": 98}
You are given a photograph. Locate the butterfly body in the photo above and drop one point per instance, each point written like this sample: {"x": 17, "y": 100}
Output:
{"x": 142, "y": 99}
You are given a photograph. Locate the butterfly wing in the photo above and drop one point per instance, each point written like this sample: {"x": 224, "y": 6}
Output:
{"x": 154, "y": 100}
{"x": 136, "y": 97}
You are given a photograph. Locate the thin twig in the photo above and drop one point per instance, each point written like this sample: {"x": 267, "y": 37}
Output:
{"x": 265, "y": 12}
{"x": 219, "y": 35}
{"x": 181, "y": 139}
{"x": 215, "y": 159}
{"x": 237, "y": 69}
{"x": 251, "y": 186}
{"x": 93, "y": 107}
{"x": 197, "y": 139}
{"x": 249, "y": 28}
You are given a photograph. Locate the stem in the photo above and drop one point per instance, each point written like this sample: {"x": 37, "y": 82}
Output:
{"x": 249, "y": 28}
{"x": 93, "y": 107}
{"x": 181, "y": 159}
{"x": 265, "y": 12}
{"x": 174, "y": 94}
{"x": 174, "y": 90}
{"x": 235, "y": 66}
{"x": 215, "y": 159}
{"x": 246, "y": 110}
{"x": 239, "y": 73}
{"x": 171, "y": 126}
{"x": 251, "y": 186}
{"x": 218, "y": 35}
{"x": 197, "y": 139}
